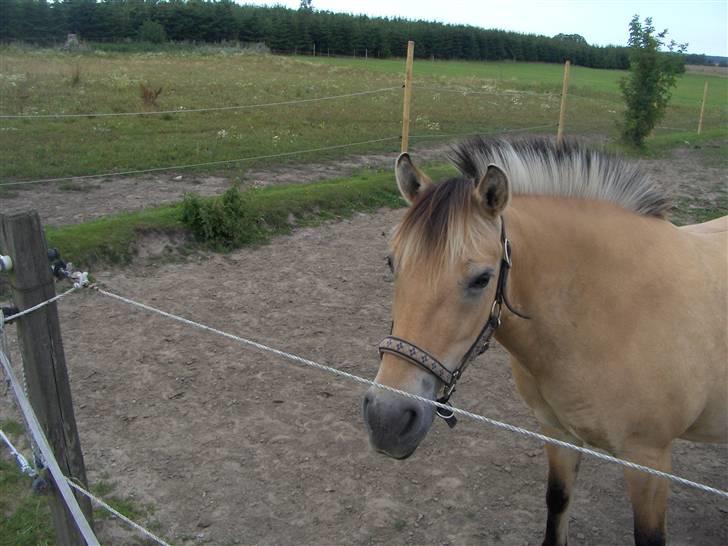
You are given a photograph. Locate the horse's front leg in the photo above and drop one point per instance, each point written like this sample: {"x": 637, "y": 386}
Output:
{"x": 649, "y": 495}
{"x": 563, "y": 468}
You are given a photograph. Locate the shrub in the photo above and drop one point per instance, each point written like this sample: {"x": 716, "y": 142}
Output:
{"x": 152, "y": 32}
{"x": 224, "y": 222}
{"x": 652, "y": 75}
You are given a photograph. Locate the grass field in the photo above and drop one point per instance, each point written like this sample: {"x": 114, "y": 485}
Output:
{"x": 36, "y": 81}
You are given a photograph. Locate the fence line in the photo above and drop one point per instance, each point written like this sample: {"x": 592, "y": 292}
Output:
{"x": 36, "y": 432}
{"x": 198, "y": 110}
{"x": 358, "y": 379}
{"x": 193, "y": 165}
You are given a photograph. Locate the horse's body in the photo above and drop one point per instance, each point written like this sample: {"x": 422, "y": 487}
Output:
{"x": 626, "y": 348}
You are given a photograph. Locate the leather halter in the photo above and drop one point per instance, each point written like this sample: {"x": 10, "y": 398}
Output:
{"x": 414, "y": 354}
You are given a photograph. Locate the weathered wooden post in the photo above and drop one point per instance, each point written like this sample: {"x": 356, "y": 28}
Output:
{"x": 44, "y": 363}
{"x": 407, "y": 95}
{"x": 702, "y": 107}
{"x": 562, "y": 111}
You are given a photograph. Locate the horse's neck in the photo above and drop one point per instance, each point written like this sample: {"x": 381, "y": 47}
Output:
{"x": 574, "y": 262}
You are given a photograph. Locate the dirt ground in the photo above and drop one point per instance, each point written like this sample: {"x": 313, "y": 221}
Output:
{"x": 234, "y": 446}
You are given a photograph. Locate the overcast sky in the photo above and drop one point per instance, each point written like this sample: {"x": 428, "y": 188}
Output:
{"x": 701, "y": 23}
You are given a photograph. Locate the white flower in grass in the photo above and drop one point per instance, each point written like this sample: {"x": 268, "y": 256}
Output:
{"x": 222, "y": 133}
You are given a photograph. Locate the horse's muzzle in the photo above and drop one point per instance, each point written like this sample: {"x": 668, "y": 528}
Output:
{"x": 396, "y": 425}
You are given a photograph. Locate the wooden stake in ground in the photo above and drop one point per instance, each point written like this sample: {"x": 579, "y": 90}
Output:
{"x": 702, "y": 107}
{"x": 44, "y": 364}
{"x": 562, "y": 111}
{"x": 407, "y": 95}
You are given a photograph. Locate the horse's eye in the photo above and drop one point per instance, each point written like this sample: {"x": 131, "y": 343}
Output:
{"x": 481, "y": 281}
{"x": 390, "y": 263}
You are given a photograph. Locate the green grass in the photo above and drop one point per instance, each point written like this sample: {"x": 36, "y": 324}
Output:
{"x": 660, "y": 145}
{"x": 38, "y": 81}
{"x": 111, "y": 239}
{"x": 26, "y": 518}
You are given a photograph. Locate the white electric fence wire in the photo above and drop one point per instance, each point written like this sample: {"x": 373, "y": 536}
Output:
{"x": 25, "y": 467}
{"x": 37, "y": 434}
{"x": 192, "y": 165}
{"x": 197, "y": 110}
{"x": 37, "y": 457}
{"x": 493, "y": 422}
{"x": 41, "y": 304}
{"x": 116, "y": 513}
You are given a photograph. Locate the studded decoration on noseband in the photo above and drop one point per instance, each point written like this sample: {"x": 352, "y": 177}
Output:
{"x": 414, "y": 354}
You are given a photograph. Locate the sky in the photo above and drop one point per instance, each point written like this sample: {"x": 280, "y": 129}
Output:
{"x": 701, "y": 23}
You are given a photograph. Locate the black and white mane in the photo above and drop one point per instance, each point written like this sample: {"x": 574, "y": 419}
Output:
{"x": 539, "y": 166}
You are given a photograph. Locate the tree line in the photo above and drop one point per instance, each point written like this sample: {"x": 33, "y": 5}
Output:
{"x": 286, "y": 30}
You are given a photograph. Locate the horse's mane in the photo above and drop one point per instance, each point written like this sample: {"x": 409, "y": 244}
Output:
{"x": 443, "y": 222}
{"x": 539, "y": 166}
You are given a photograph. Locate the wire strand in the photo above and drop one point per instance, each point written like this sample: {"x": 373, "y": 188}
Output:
{"x": 23, "y": 464}
{"x": 193, "y": 165}
{"x": 481, "y": 418}
{"x": 116, "y": 513}
{"x": 198, "y": 110}
{"x": 40, "y": 305}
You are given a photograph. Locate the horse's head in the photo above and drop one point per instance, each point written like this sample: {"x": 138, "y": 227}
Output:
{"x": 445, "y": 256}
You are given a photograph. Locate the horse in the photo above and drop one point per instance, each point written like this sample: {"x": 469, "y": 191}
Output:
{"x": 615, "y": 319}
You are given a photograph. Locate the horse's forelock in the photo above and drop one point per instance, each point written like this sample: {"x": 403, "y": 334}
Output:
{"x": 442, "y": 225}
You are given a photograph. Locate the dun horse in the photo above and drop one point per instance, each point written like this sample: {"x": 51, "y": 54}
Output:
{"x": 614, "y": 318}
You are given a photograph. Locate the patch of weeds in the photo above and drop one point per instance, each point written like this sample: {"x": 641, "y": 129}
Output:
{"x": 399, "y": 525}
{"x": 9, "y": 426}
{"x": 124, "y": 505}
{"x": 224, "y": 222}
{"x": 167, "y": 117}
{"x": 26, "y": 517}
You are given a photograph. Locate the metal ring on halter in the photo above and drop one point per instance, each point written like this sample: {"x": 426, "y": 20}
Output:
{"x": 439, "y": 410}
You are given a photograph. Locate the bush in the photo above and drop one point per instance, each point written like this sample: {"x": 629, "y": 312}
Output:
{"x": 152, "y": 32}
{"x": 652, "y": 75}
{"x": 224, "y": 222}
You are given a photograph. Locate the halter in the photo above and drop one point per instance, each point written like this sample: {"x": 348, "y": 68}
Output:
{"x": 414, "y": 354}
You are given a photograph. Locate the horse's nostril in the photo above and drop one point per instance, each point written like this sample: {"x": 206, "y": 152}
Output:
{"x": 409, "y": 420}
{"x": 367, "y": 401}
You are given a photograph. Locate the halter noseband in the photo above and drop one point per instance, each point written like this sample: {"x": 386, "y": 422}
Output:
{"x": 414, "y": 354}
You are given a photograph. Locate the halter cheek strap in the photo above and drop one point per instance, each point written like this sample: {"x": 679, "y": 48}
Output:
{"x": 419, "y": 357}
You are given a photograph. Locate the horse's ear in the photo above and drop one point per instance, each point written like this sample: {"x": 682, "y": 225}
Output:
{"x": 493, "y": 190}
{"x": 410, "y": 180}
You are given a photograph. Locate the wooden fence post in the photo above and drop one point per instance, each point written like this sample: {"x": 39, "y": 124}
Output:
{"x": 702, "y": 107}
{"x": 562, "y": 111}
{"x": 44, "y": 364}
{"x": 407, "y": 95}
